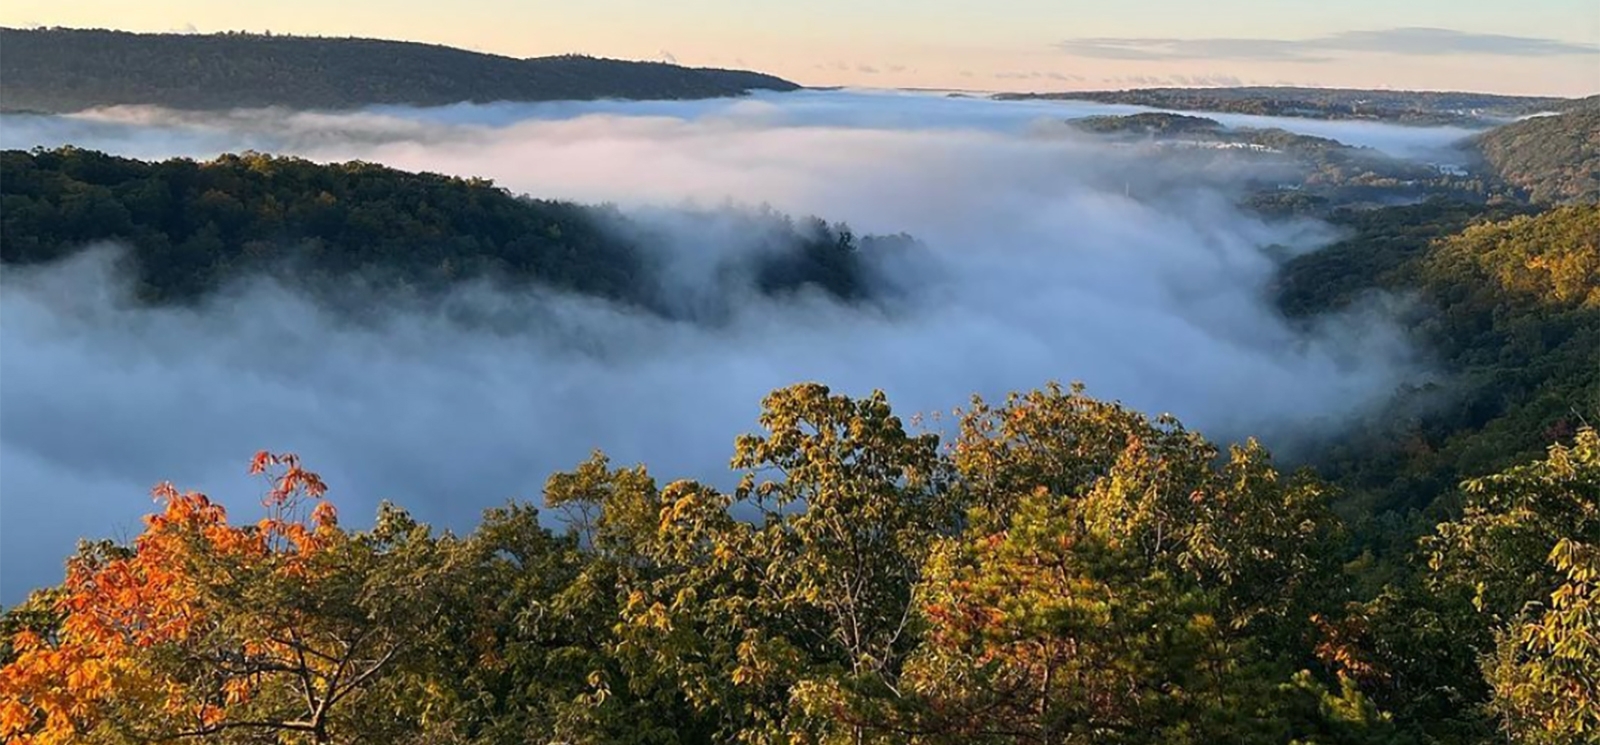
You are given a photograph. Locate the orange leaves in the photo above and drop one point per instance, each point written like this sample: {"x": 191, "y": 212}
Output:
{"x": 114, "y": 609}
{"x": 15, "y": 718}
{"x": 125, "y": 610}
{"x": 286, "y": 528}
{"x": 292, "y": 481}
{"x": 325, "y": 515}
{"x": 259, "y": 464}
{"x": 1343, "y": 644}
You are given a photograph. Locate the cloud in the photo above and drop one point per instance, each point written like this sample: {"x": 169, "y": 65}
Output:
{"x": 408, "y": 134}
{"x": 669, "y": 57}
{"x": 1036, "y": 265}
{"x": 866, "y": 68}
{"x": 1036, "y": 75}
{"x": 1413, "y": 41}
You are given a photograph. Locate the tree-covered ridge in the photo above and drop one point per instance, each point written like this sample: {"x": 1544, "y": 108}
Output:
{"x": 1508, "y": 305}
{"x": 1424, "y": 108}
{"x": 192, "y": 226}
{"x": 1296, "y": 173}
{"x": 1066, "y": 571}
{"x": 1587, "y": 103}
{"x": 1553, "y": 159}
{"x": 71, "y": 69}
{"x": 1152, "y": 123}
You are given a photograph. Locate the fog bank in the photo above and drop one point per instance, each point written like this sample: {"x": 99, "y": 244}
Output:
{"x": 1047, "y": 256}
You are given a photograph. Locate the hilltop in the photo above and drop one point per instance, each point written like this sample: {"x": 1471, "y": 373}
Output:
{"x": 60, "y": 70}
{"x": 1426, "y": 108}
{"x": 191, "y": 227}
{"x": 1552, "y": 158}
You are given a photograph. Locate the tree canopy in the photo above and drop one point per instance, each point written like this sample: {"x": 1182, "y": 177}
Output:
{"x": 1506, "y": 303}
{"x": 62, "y": 70}
{"x": 194, "y": 226}
{"x": 1067, "y": 571}
{"x": 1553, "y": 158}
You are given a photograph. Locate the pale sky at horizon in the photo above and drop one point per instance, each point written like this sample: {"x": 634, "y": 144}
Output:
{"x": 1532, "y": 47}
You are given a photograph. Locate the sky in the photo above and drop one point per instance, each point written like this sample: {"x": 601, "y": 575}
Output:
{"x": 1544, "y": 47}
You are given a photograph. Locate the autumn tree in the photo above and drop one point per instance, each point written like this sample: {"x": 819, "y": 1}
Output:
{"x": 287, "y": 630}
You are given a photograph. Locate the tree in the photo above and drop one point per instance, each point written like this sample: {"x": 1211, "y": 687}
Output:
{"x": 290, "y": 629}
{"x": 767, "y": 629}
{"x": 1113, "y": 585}
{"x": 1525, "y": 548}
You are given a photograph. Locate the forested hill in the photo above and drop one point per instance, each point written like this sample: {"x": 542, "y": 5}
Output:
{"x": 58, "y": 70}
{"x": 1507, "y": 305}
{"x": 193, "y": 226}
{"x": 1552, "y": 158}
{"x": 1428, "y": 108}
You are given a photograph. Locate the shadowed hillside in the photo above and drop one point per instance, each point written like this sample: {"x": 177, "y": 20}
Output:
{"x": 193, "y": 226}
{"x": 68, "y": 70}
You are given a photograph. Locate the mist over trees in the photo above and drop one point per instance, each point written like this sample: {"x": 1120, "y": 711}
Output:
{"x": 1509, "y": 303}
{"x": 1045, "y": 567}
{"x": 1297, "y": 173}
{"x": 194, "y": 226}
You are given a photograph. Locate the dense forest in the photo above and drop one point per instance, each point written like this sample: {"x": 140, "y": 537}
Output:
{"x": 1552, "y": 158}
{"x": 1065, "y": 570}
{"x": 193, "y": 226}
{"x": 1507, "y": 301}
{"x": 1050, "y": 568}
{"x": 1429, "y": 108}
{"x": 1061, "y": 569}
{"x": 61, "y": 70}
{"x": 1151, "y": 124}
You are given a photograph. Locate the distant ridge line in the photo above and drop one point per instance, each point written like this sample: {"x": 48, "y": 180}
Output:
{"x": 62, "y": 70}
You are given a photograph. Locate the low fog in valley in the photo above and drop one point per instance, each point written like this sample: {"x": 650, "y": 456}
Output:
{"x": 1043, "y": 254}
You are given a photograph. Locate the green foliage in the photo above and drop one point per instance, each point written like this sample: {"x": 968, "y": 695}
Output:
{"x": 193, "y": 226}
{"x": 1154, "y": 123}
{"x": 1525, "y": 548}
{"x": 1553, "y": 158}
{"x": 1070, "y": 571}
{"x": 1506, "y": 302}
{"x": 70, "y": 69}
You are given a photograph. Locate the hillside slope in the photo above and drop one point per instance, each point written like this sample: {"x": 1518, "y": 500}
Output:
{"x": 59, "y": 70}
{"x": 1552, "y": 158}
{"x": 192, "y": 227}
{"x": 1508, "y": 307}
